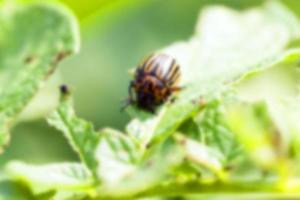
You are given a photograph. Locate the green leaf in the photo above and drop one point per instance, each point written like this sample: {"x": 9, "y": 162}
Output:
{"x": 84, "y": 10}
{"x": 286, "y": 115}
{"x": 30, "y": 50}
{"x": 213, "y": 131}
{"x": 228, "y": 46}
{"x": 279, "y": 89}
{"x": 126, "y": 179}
{"x": 272, "y": 145}
{"x": 153, "y": 130}
{"x": 70, "y": 195}
{"x": 13, "y": 191}
{"x": 255, "y": 130}
{"x": 118, "y": 156}
{"x": 202, "y": 155}
{"x": 80, "y": 133}
{"x": 41, "y": 179}
{"x": 231, "y": 48}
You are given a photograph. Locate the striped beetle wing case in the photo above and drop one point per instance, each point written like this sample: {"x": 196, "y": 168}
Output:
{"x": 155, "y": 80}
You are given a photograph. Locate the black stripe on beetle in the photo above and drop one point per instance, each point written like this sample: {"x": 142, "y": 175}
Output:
{"x": 155, "y": 80}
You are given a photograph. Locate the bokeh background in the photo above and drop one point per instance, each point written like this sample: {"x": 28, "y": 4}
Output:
{"x": 116, "y": 35}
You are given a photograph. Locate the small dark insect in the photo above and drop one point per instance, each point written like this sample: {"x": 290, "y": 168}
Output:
{"x": 64, "y": 89}
{"x": 155, "y": 80}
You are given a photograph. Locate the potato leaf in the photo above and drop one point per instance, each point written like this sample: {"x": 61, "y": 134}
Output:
{"x": 29, "y": 52}
{"x": 13, "y": 191}
{"x": 80, "y": 133}
{"x": 118, "y": 156}
{"x": 227, "y": 47}
{"x": 255, "y": 130}
{"x": 202, "y": 155}
{"x": 41, "y": 179}
{"x": 129, "y": 178}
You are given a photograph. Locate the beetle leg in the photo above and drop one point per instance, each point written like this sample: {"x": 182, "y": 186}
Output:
{"x": 151, "y": 109}
{"x": 129, "y": 100}
{"x": 131, "y": 87}
{"x": 176, "y": 89}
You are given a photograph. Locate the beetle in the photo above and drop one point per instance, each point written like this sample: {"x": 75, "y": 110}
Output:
{"x": 155, "y": 80}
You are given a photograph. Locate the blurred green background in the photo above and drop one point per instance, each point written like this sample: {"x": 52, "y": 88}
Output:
{"x": 116, "y": 35}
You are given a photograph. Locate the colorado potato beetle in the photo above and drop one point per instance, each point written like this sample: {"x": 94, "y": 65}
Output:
{"x": 155, "y": 80}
